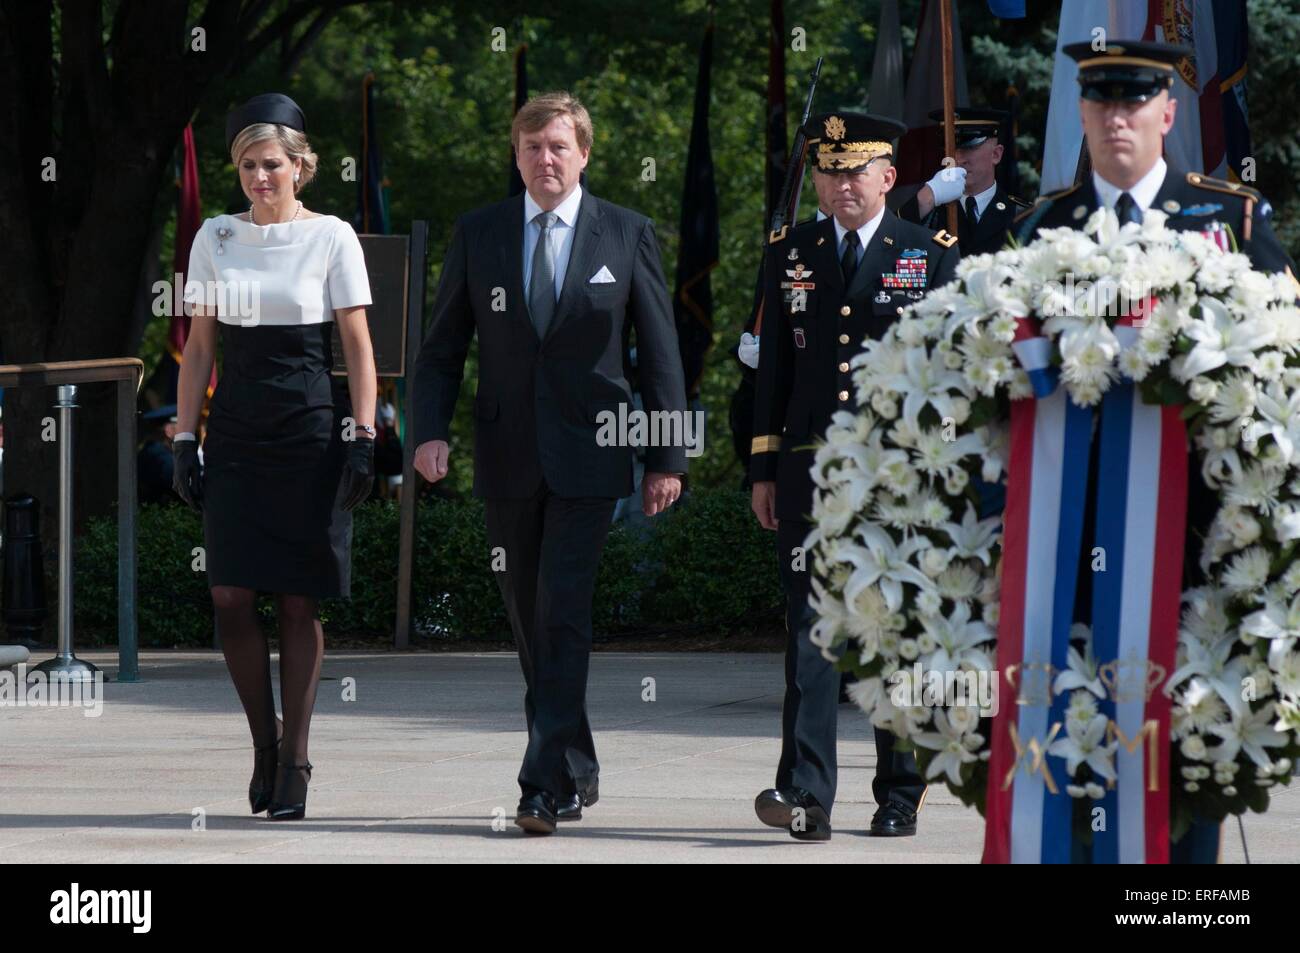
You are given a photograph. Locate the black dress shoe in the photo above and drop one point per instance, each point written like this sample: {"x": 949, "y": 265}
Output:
{"x": 570, "y": 808}
{"x": 894, "y": 820}
{"x": 775, "y": 807}
{"x": 536, "y": 813}
{"x": 796, "y": 810}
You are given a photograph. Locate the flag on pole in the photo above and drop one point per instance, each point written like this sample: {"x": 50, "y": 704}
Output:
{"x": 1232, "y": 44}
{"x": 697, "y": 254}
{"x": 921, "y": 150}
{"x": 885, "y": 98}
{"x": 516, "y": 186}
{"x": 372, "y": 204}
{"x": 1091, "y": 21}
{"x": 189, "y": 216}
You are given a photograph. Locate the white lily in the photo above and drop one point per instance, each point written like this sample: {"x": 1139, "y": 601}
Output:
{"x": 1281, "y": 418}
{"x": 885, "y": 562}
{"x": 926, "y": 379}
{"x": 954, "y": 748}
{"x": 1217, "y": 666}
{"x": 1081, "y": 673}
{"x": 1083, "y": 744}
{"x": 1221, "y": 339}
{"x": 958, "y": 640}
{"x": 973, "y": 538}
{"x": 1249, "y": 732}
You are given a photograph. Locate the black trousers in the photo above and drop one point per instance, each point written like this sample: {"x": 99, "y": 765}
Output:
{"x": 812, "y": 691}
{"x": 552, "y": 548}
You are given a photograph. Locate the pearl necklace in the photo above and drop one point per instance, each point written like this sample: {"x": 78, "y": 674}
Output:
{"x": 295, "y": 215}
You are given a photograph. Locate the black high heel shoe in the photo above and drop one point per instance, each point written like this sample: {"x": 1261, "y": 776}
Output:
{"x": 264, "y": 764}
{"x": 290, "y": 799}
{"x": 265, "y": 761}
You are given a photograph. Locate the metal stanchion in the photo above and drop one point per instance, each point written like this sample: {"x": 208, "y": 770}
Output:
{"x": 65, "y": 664}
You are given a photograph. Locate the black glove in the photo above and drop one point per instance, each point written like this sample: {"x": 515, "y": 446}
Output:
{"x": 187, "y": 478}
{"x": 358, "y": 472}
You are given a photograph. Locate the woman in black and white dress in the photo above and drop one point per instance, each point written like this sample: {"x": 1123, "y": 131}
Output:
{"x": 287, "y": 454}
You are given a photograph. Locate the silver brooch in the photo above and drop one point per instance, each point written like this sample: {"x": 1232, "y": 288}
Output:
{"x": 222, "y": 234}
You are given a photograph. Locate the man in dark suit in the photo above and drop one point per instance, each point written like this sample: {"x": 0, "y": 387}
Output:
{"x": 985, "y": 210}
{"x": 552, "y": 281}
{"x": 830, "y": 285}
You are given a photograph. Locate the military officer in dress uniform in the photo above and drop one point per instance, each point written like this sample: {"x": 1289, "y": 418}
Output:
{"x": 830, "y": 285}
{"x": 985, "y": 210}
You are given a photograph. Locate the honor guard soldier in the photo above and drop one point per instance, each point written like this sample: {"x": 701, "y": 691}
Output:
{"x": 830, "y": 285}
{"x": 985, "y": 210}
{"x": 1127, "y": 110}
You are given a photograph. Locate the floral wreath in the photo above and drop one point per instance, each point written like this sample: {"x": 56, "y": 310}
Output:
{"x": 906, "y": 571}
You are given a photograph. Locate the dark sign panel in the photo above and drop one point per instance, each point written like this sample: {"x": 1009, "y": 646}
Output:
{"x": 386, "y": 264}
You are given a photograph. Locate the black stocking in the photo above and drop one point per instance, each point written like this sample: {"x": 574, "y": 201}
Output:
{"x": 248, "y": 657}
{"x": 302, "y": 644}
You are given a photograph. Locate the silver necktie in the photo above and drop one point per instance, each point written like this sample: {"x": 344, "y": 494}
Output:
{"x": 541, "y": 289}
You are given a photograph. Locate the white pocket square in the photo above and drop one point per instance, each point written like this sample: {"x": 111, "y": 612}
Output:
{"x": 602, "y": 277}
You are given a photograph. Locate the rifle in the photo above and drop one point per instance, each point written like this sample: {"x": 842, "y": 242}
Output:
{"x": 788, "y": 202}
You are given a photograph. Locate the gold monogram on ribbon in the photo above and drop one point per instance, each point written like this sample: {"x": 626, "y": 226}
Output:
{"x": 1032, "y": 682}
{"x": 1131, "y": 679}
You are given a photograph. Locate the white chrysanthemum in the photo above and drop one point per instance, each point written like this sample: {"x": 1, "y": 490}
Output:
{"x": 896, "y": 513}
{"x": 1193, "y": 748}
{"x": 1257, "y": 485}
{"x": 959, "y": 582}
{"x": 1082, "y": 707}
{"x": 927, "y": 603}
{"x": 1203, "y": 390}
{"x": 864, "y": 693}
{"x": 1133, "y": 364}
{"x": 1234, "y": 399}
{"x": 1200, "y": 708}
{"x": 1247, "y": 572}
{"x": 933, "y": 510}
{"x": 1270, "y": 365}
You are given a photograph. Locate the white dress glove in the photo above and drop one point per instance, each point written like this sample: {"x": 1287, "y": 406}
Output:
{"x": 948, "y": 185}
{"x": 748, "y": 350}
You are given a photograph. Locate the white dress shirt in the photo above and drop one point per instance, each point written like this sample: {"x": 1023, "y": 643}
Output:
{"x": 1143, "y": 192}
{"x": 562, "y": 233}
{"x": 864, "y": 234}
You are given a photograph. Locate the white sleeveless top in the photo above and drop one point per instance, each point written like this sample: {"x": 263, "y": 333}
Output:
{"x": 286, "y": 273}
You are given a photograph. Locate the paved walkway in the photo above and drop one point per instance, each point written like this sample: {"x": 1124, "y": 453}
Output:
{"x": 416, "y": 768}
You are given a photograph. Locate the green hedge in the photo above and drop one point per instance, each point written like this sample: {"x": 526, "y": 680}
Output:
{"x": 704, "y": 564}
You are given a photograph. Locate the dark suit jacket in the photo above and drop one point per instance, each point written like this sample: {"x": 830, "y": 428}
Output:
{"x": 537, "y": 404}
{"x": 986, "y": 236}
{"x": 804, "y": 357}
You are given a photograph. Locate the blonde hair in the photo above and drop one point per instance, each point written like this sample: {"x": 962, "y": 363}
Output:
{"x": 293, "y": 142}
{"x": 537, "y": 113}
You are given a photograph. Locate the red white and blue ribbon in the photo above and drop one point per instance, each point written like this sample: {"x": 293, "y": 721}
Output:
{"x": 1050, "y": 441}
{"x": 1141, "y": 512}
{"x": 1141, "y": 521}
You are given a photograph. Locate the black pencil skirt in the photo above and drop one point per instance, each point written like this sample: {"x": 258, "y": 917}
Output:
{"x": 273, "y": 459}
